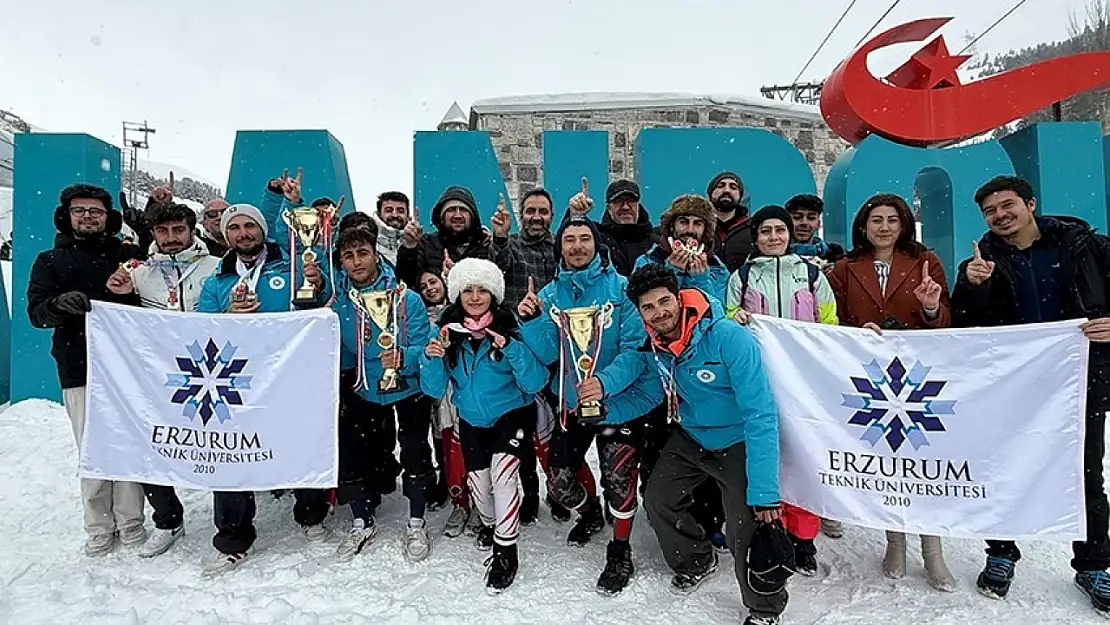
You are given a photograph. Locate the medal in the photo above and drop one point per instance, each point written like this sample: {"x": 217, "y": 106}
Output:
{"x": 386, "y": 340}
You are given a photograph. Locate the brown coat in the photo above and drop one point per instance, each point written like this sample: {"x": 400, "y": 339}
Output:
{"x": 859, "y": 301}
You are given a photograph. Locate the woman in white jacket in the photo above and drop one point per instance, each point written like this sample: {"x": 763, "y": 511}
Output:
{"x": 170, "y": 279}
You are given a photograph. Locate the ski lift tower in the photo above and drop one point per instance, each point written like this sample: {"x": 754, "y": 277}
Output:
{"x": 135, "y": 137}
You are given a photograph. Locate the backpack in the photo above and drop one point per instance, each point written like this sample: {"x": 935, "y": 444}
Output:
{"x": 812, "y": 273}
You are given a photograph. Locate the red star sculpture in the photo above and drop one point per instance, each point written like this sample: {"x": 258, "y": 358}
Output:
{"x": 931, "y": 67}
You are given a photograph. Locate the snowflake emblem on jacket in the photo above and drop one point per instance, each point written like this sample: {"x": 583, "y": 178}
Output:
{"x": 898, "y": 404}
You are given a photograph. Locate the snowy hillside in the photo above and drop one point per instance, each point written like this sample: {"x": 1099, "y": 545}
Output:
{"x": 45, "y": 580}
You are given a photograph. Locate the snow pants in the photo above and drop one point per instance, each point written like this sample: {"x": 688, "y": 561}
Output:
{"x": 492, "y": 457}
{"x": 109, "y": 506}
{"x": 234, "y": 516}
{"x": 546, "y": 424}
{"x": 1092, "y": 554}
{"x": 682, "y": 467}
{"x": 169, "y": 514}
{"x": 367, "y": 438}
{"x": 707, "y": 500}
{"x": 618, "y": 449}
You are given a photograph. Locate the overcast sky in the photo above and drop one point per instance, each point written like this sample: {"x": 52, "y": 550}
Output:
{"x": 374, "y": 71}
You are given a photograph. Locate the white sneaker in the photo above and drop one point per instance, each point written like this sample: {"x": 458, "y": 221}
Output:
{"x": 361, "y": 535}
{"x": 219, "y": 563}
{"x": 160, "y": 542}
{"x": 315, "y": 533}
{"x": 417, "y": 542}
{"x": 134, "y": 535}
{"x": 456, "y": 523}
{"x": 100, "y": 545}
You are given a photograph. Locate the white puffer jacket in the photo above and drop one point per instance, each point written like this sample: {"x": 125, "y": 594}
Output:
{"x": 186, "y": 271}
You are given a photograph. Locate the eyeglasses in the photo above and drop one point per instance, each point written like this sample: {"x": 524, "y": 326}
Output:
{"x": 85, "y": 210}
{"x": 213, "y": 214}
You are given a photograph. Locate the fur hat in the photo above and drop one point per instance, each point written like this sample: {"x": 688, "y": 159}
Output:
{"x": 475, "y": 272}
{"x": 243, "y": 209}
{"x": 693, "y": 205}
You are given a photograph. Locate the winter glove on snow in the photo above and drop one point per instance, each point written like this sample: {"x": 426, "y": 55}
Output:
{"x": 72, "y": 303}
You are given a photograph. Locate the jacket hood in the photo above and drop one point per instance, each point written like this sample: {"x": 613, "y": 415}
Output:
{"x": 791, "y": 259}
{"x": 64, "y": 226}
{"x": 194, "y": 252}
{"x": 698, "y": 312}
{"x": 588, "y": 275}
{"x": 463, "y": 195}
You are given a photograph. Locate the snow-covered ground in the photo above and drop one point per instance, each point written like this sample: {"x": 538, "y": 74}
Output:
{"x": 45, "y": 579}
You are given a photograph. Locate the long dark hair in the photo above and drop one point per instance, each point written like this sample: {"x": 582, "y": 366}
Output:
{"x": 907, "y": 239}
{"x": 504, "y": 323}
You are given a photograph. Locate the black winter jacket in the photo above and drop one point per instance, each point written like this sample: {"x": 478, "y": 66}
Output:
{"x": 734, "y": 242}
{"x": 1085, "y": 283}
{"x": 75, "y": 265}
{"x": 627, "y": 242}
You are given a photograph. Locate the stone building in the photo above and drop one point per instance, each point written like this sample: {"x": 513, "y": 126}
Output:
{"x": 516, "y": 124}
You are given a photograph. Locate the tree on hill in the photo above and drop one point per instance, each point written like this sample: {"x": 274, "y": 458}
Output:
{"x": 1089, "y": 33}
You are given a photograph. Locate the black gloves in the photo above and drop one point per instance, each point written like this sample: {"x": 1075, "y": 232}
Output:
{"x": 72, "y": 303}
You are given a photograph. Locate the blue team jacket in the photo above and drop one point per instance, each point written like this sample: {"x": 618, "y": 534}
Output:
{"x": 595, "y": 285}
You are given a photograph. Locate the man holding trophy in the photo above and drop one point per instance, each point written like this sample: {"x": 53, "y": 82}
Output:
{"x": 582, "y": 323}
{"x": 384, "y": 328}
{"x": 254, "y": 278}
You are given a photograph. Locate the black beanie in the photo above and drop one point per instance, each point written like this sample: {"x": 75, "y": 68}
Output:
{"x": 721, "y": 176}
{"x": 576, "y": 220}
{"x": 772, "y": 212}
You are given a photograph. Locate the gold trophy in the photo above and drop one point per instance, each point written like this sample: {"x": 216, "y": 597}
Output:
{"x": 584, "y": 326}
{"x": 381, "y": 308}
{"x": 307, "y": 223}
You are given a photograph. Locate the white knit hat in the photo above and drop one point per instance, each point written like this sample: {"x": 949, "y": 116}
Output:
{"x": 243, "y": 209}
{"x": 475, "y": 272}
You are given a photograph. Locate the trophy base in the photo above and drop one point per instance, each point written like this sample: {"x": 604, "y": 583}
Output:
{"x": 305, "y": 298}
{"x": 591, "y": 413}
{"x": 393, "y": 384}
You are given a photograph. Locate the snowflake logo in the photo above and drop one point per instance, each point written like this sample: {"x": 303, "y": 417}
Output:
{"x": 209, "y": 381}
{"x": 897, "y": 404}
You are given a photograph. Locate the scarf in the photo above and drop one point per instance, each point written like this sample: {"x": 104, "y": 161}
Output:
{"x": 479, "y": 329}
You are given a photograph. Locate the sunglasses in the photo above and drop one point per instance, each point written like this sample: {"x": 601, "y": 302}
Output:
{"x": 213, "y": 214}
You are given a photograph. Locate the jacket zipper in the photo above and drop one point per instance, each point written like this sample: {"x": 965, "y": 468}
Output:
{"x": 180, "y": 296}
{"x": 778, "y": 284}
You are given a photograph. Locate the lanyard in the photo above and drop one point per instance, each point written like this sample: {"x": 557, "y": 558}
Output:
{"x": 168, "y": 278}
{"x": 670, "y": 389}
{"x": 250, "y": 276}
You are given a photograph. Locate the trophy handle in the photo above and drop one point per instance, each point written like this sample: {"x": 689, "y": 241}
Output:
{"x": 555, "y": 315}
{"x": 607, "y": 315}
{"x": 287, "y": 217}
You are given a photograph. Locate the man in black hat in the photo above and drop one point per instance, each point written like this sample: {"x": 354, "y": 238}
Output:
{"x": 734, "y": 234}
{"x": 625, "y": 229}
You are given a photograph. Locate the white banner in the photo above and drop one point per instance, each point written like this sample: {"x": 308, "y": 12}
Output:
{"x": 973, "y": 433}
{"x": 214, "y": 402}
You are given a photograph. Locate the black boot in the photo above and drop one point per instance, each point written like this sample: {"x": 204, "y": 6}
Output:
{"x": 805, "y": 556}
{"x": 589, "y": 523}
{"x": 618, "y": 568}
{"x": 529, "y": 509}
{"x": 559, "y": 513}
{"x": 501, "y": 569}
{"x": 437, "y": 493}
{"x": 484, "y": 539}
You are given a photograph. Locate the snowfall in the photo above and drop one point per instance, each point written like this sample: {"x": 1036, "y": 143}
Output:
{"x": 44, "y": 578}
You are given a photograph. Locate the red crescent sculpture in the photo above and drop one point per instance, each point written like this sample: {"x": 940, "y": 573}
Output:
{"x": 923, "y": 102}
